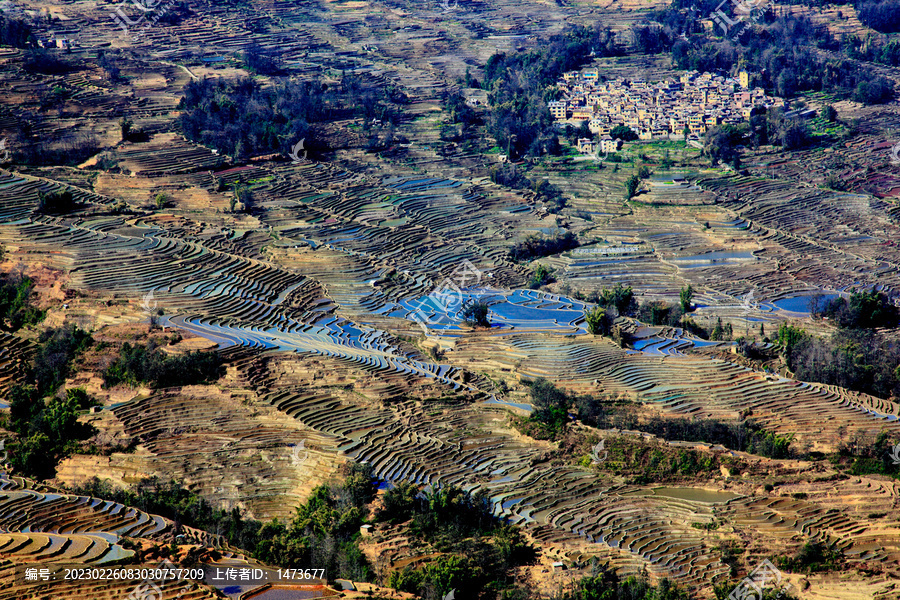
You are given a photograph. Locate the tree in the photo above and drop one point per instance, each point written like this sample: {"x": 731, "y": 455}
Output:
{"x": 876, "y": 91}
{"x": 599, "y": 321}
{"x": 829, "y": 113}
{"x": 55, "y": 202}
{"x": 620, "y": 297}
{"x": 624, "y": 133}
{"x": 161, "y": 200}
{"x": 631, "y": 186}
{"x": 542, "y": 275}
{"x": 125, "y": 126}
{"x": 243, "y": 196}
{"x": 686, "y": 296}
{"x": 476, "y": 314}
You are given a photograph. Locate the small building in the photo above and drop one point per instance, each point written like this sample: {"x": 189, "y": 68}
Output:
{"x": 586, "y": 145}
{"x": 583, "y": 113}
{"x": 609, "y": 145}
{"x": 557, "y": 109}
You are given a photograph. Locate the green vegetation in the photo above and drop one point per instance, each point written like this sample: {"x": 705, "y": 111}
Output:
{"x": 282, "y": 114}
{"x": 784, "y": 53}
{"x": 815, "y": 556}
{"x": 47, "y": 432}
{"x": 478, "y": 550}
{"x": 542, "y": 275}
{"x": 511, "y": 176}
{"x": 599, "y": 321}
{"x": 537, "y": 246}
{"x": 324, "y": 530}
{"x": 552, "y": 407}
{"x": 856, "y": 359}
{"x": 57, "y": 348}
{"x": 476, "y": 314}
{"x": 519, "y": 86}
{"x": 631, "y": 186}
{"x": 686, "y": 297}
{"x": 624, "y": 133}
{"x": 260, "y": 62}
{"x": 55, "y": 202}
{"x": 864, "y": 310}
{"x": 148, "y": 365}
{"x": 15, "y": 33}
{"x": 605, "y": 584}
{"x": 551, "y": 411}
{"x": 16, "y": 310}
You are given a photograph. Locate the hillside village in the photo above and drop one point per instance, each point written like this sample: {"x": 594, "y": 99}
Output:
{"x": 669, "y": 109}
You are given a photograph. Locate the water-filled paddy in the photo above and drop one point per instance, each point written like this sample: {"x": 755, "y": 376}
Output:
{"x": 800, "y": 304}
{"x": 689, "y": 494}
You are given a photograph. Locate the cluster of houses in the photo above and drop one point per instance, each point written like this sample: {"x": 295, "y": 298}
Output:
{"x": 682, "y": 109}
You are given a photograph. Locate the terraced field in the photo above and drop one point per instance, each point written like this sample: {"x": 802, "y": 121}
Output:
{"x": 317, "y": 301}
{"x": 311, "y": 291}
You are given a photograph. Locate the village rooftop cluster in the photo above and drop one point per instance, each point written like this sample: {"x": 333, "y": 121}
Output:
{"x": 682, "y": 109}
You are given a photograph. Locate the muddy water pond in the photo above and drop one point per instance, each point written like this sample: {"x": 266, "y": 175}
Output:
{"x": 689, "y": 494}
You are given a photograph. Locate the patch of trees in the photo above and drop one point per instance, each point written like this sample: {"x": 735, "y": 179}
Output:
{"x": 15, "y": 33}
{"x": 538, "y": 246}
{"x": 215, "y": 111}
{"x": 478, "y": 550}
{"x": 476, "y": 314}
{"x": 879, "y": 90}
{"x": 553, "y": 406}
{"x": 46, "y": 62}
{"x": 171, "y": 500}
{"x": 519, "y": 86}
{"x": 872, "y": 50}
{"x": 877, "y": 459}
{"x": 605, "y": 584}
{"x": 619, "y": 297}
{"x": 624, "y": 133}
{"x": 147, "y": 364}
{"x": 57, "y": 349}
{"x": 856, "y": 359}
{"x": 542, "y": 275}
{"x": 866, "y": 310}
{"x": 261, "y": 63}
{"x": 459, "y": 111}
{"x": 57, "y": 202}
{"x": 47, "y": 432}
{"x": 16, "y": 309}
{"x": 883, "y": 16}
{"x": 599, "y": 321}
{"x": 814, "y": 556}
{"x": 324, "y": 529}
{"x": 783, "y": 56}
{"x": 512, "y": 176}
{"x": 175, "y": 13}
{"x": 70, "y": 151}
